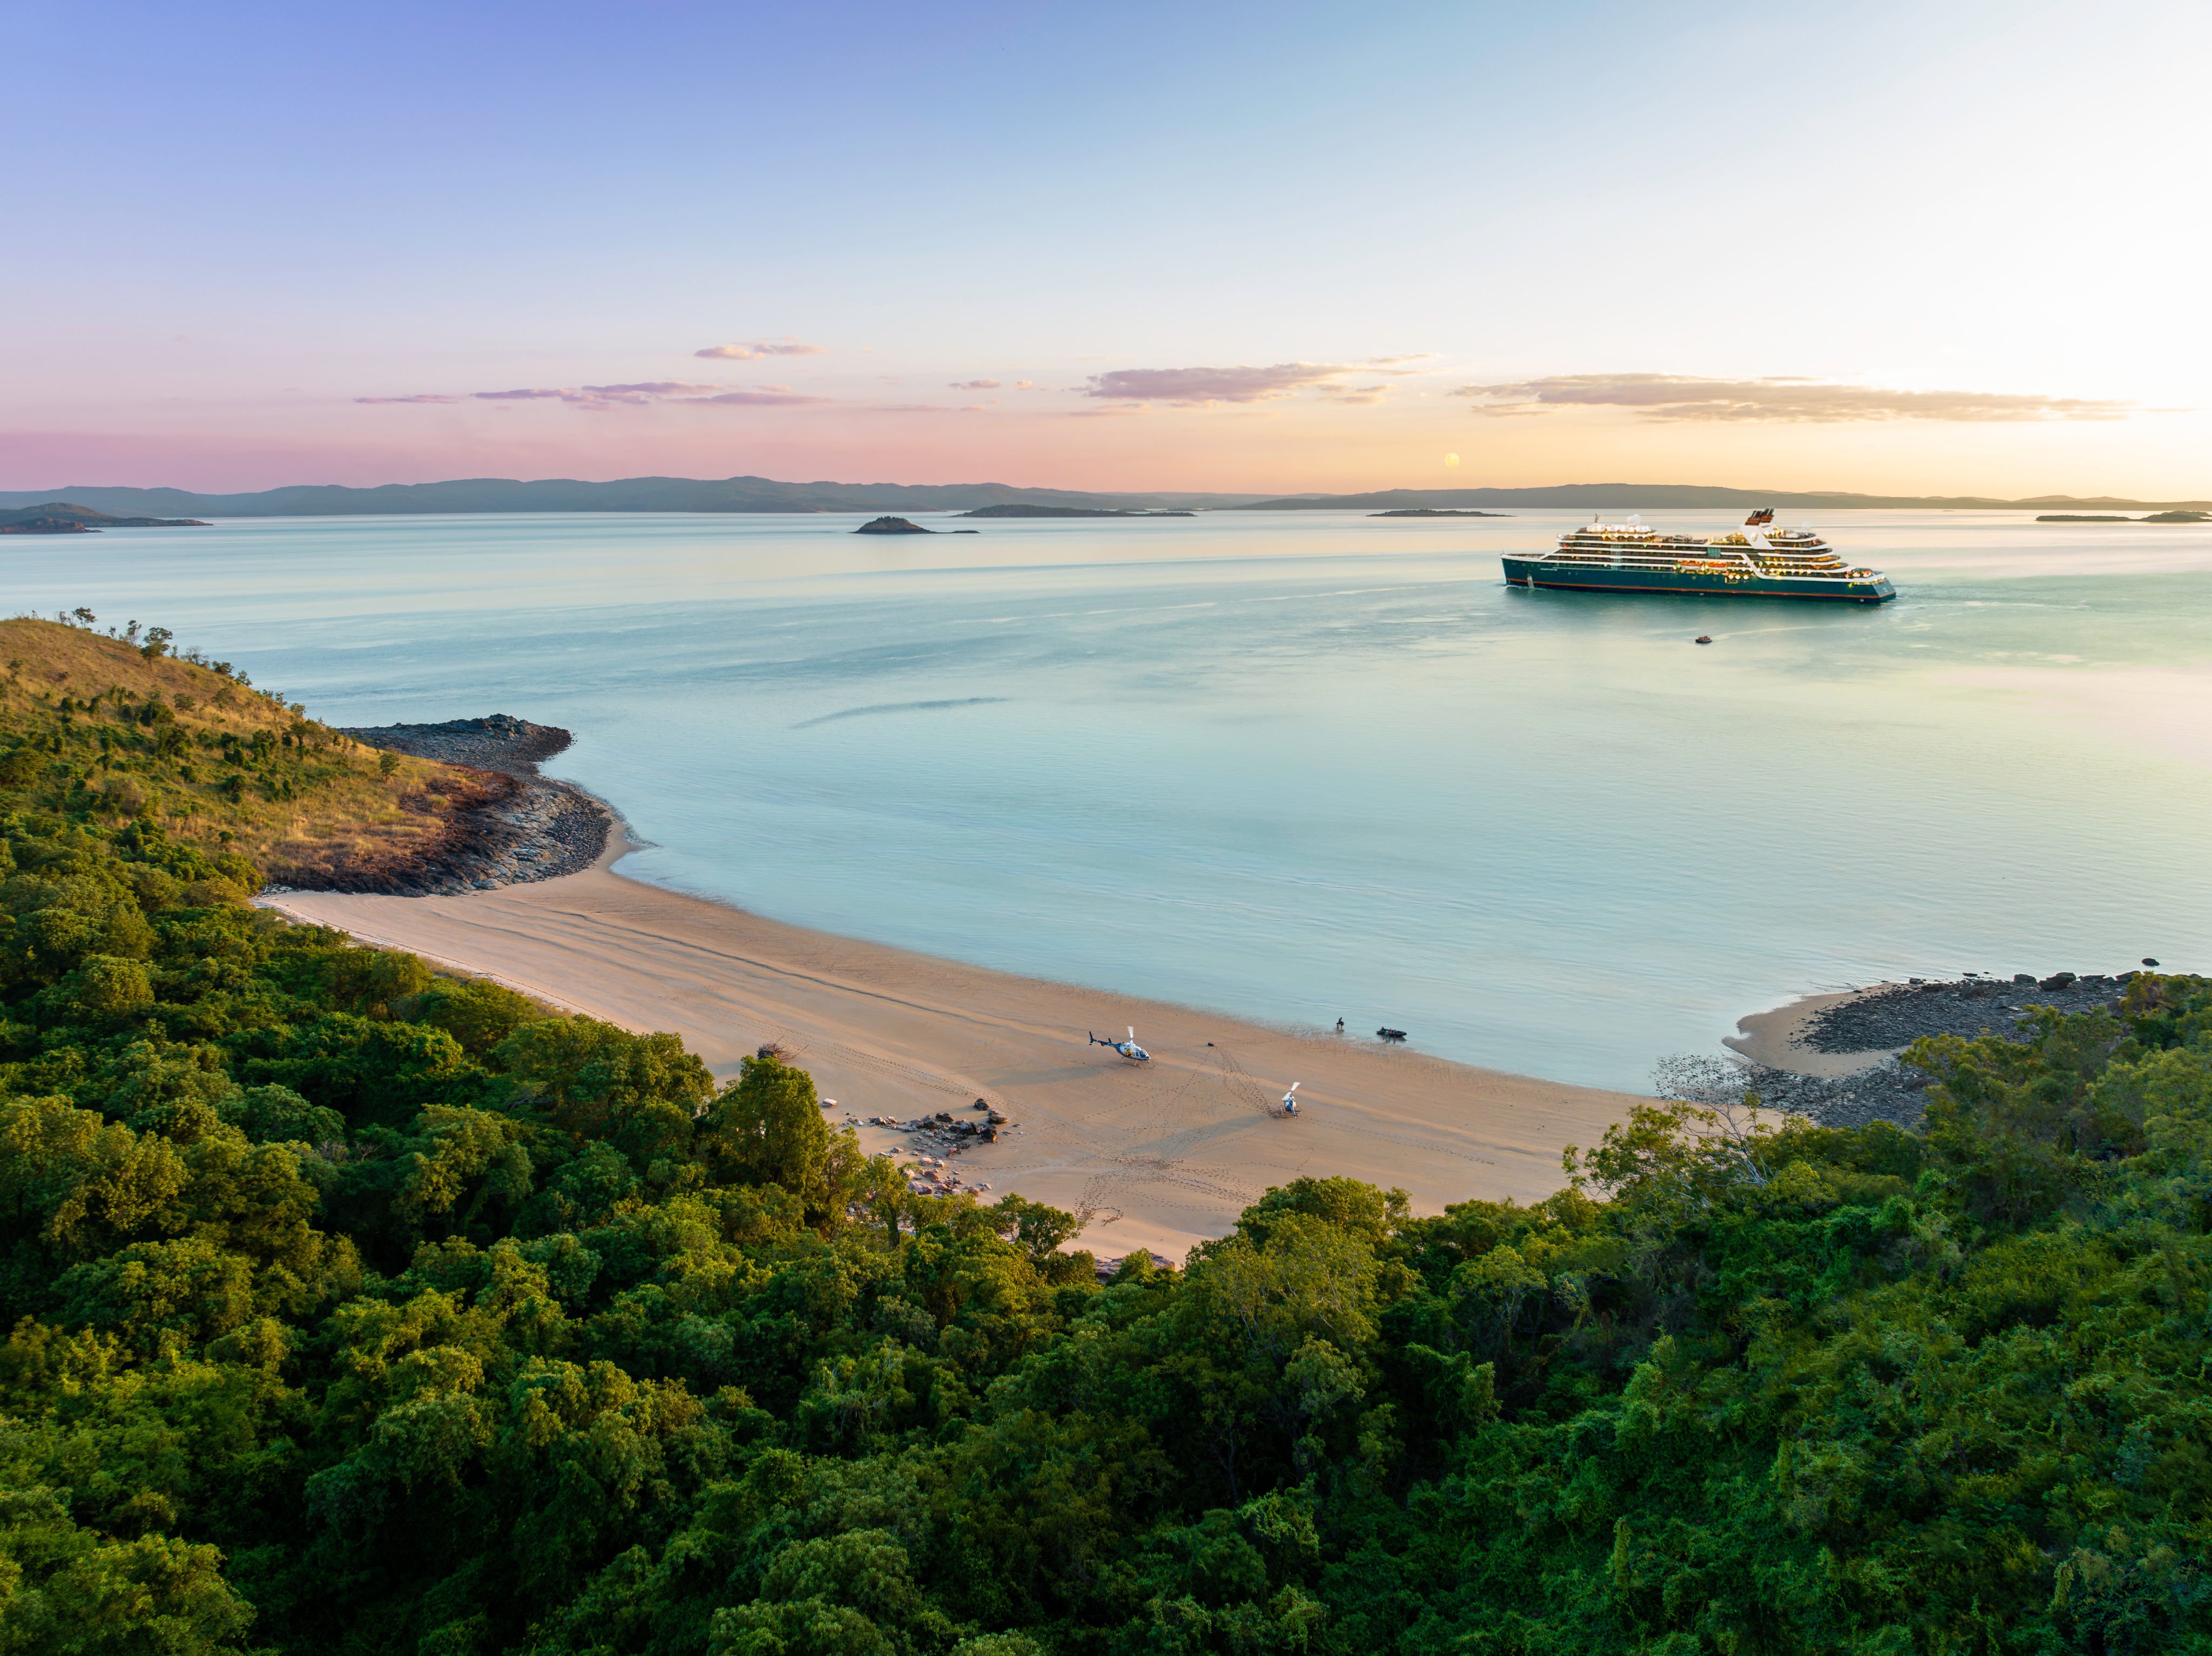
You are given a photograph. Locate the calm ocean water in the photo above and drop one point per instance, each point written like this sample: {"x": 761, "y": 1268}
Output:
{"x": 1301, "y": 766}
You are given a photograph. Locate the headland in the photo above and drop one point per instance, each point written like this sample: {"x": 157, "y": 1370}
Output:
{"x": 526, "y": 826}
{"x": 60, "y": 518}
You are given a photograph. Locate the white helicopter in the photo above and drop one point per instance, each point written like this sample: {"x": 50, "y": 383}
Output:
{"x": 1128, "y": 1049}
{"x": 1290, "y": 1100}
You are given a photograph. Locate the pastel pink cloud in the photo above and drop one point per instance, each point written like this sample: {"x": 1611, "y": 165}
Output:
{"x": 755, "y": 348}
{"x": 1195, "y": 387}
{"x": 638, "y": 393}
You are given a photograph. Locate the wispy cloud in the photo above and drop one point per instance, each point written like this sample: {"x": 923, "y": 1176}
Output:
{"x": 975, "y": 384}
{"x": 635, "y": 394}
{"x": 1686, "y": 397}
{"x": 753, "y": 348}
{"x": 1400, "y": 361}
{"x": 766, "y": 396}
{"x": 1196, "y": 387}
{"x": 1354, "y": 394}
{"x": 1024, "y": 385}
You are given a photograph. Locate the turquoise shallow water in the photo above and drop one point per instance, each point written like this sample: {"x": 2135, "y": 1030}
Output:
{"x": 1306, "y": 765}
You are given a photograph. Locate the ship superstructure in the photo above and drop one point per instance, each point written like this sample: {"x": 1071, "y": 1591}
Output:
{"x": 1756, "y": 561}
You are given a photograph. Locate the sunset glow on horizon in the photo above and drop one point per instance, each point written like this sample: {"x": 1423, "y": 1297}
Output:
{"x": 1228, "y": 249}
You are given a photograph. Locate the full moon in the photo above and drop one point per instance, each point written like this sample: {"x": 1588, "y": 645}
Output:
{"x": 1451, "y": 459}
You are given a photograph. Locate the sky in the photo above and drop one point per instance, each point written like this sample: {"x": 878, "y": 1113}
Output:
{"x": 1895, "y": 247}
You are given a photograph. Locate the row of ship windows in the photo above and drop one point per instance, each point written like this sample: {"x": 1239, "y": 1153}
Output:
{"x": 1779, "y": 543}
{"x": 1669, "y": 558}
{"x": 1722, "y": 566}
{"x": 1824, "y": 553}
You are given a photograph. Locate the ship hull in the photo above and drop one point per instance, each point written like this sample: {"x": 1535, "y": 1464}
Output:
{"x": 1690, "y": 583}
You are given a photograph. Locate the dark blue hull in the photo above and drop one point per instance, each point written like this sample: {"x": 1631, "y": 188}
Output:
{"x": 1692, "y": 583}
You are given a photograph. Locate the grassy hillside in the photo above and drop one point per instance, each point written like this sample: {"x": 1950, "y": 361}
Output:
{"x": 110, "y": 730}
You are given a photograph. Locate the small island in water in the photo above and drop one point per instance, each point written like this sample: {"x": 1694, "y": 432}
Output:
{"x": 1021, "y": 510}
{"x": 1436, "y": 512}
{"x": 888, "y": 525}
{"x": 60, "y": 518}
{"x": 2122, "y": 518}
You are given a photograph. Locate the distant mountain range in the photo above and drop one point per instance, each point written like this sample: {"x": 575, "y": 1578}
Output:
{"x": 1030, "y": 509}
{"x": 1628, "y": 497}
{"x": 493, "y": 494}
{"x": 567, "y": 494}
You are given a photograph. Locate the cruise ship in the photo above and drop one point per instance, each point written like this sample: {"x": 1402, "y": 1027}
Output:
{"x": 1756, "y": 561}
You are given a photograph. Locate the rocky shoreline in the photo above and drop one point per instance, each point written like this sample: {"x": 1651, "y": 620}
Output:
{"x": 1882, "y": 1021}
{"x": 1885, "y": 1091}
{"x": 1886, "y": 1019}
{"x": 526, "y": 828}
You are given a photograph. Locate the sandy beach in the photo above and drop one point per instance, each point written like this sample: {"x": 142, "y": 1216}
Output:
{"x": 1164, "y": 1155}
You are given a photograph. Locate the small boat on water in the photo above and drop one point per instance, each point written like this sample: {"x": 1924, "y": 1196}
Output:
{"x": 1755, "y": 561}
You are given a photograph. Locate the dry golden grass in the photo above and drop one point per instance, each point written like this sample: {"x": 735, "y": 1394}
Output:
{"x": 317, "y": 802}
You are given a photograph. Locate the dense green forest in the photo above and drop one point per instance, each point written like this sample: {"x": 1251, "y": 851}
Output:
{"x": 355, "y": 1309}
